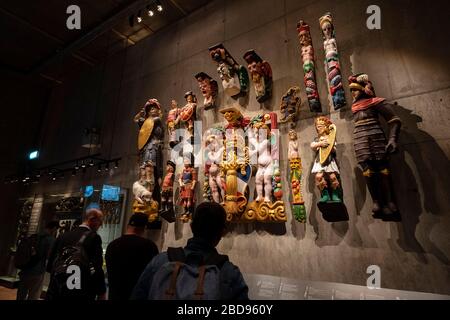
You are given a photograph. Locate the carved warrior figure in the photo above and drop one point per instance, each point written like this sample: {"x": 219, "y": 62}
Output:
{"x": 188, "y": 113}
{"x": 209, "y": 89}
{"x": 307, "y": 53}
{"x": 332, "y": 65}
{"x": 371, "y": 148}
{"x": 234, "y": 76}
{"x": 295, "y": 164}
{"x": 173, "y": 118}
{"x": 261, "y": 75}
{"x": 167, "y": 209}
{"x": 290, "y": 103}
{"x": 150, "y": 141}
{"x": 187, "y": 181}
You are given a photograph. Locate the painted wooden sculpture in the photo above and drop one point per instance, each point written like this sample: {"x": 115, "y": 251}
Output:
{"x": 209, "y": 90}
{"x": 260, "y": 74}
{"x": 150, "y": 140}
{"x": 187, "y": 182}
{"x": 295, "y": 164}
{"x": 214, "y": 185}
{"x": 307, "y": 53}
{"x": 188, "y": 114}
{"x": 234, "y": 76}
{"x": 167, "y": 209}
{"x": 289, "y": 107}
{"x": 173, "y": 118}
{"x": 235, "y": 164}
{"x": 263, "y": 141}
{"x": 332, "y": 65}
{"x": 327, "y": 173}
{"x": 371, "y": 148}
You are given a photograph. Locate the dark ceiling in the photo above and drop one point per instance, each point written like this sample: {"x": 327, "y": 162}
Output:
{"x": 35, "y": 41}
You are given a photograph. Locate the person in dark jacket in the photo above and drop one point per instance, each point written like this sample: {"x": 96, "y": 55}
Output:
{"x": 96, "y": 288}
{"x": 127, "y": 256}
{"x": 32, "y": 276}
{"x": 208, "y": 227}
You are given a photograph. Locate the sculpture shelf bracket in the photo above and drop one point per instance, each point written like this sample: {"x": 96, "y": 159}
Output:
{"x": 234, "y": 76}
{"x": 261, "y": 75}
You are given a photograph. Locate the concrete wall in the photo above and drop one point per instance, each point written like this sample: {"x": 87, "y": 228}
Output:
{"x": 407, "y": 62}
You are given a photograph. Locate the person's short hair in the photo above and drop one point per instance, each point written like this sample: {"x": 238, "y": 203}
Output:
{"x": 52, "y": 225}
{"x": 92, "y": 213}
{"x": 209, "y": 221}
{"x": 138, "y": 220}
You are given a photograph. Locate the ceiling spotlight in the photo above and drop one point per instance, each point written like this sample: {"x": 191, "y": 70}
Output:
{"x": 77, "y": 166}
{"x": 54, "y": 178}
{"x": 107, "y": 167}
{"x": 150, "y": 13}
{"x": 38, "y": 175}
{"x": 99, "y": 169}
{"x": 159, "y": 6}
{"x": 24, "y": 180}
{"x": 91, "y": 163}
{"x": 139, "y": 17}
{"x": 83, "y": 165}
{"x": 116, "y": 164}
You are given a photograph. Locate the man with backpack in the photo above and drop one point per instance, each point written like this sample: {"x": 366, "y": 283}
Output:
{"x": 196, "y": 271}
{"x": 31, "y": 258}
{"x": 76, "y": 262}
{"x": 127, "y": 256}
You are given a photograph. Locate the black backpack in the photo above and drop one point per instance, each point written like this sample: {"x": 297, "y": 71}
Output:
{"x": 71, "y": 255}
{"x": 26, "y": 252}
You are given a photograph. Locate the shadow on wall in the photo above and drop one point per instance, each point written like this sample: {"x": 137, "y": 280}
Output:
{"x": 277, "y": 229}
{"x": 419, "y": 166}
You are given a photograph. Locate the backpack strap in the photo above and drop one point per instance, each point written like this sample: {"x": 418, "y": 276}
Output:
{"x": 83, "y": 237}
{"x": 176, "y": 254}
{"x": 170, "y": 292}
{"x": 200, "y": 283}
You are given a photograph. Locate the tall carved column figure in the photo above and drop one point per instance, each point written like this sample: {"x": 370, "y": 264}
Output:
{"x": 295, "y": 164}
{"x": 332, "y": 64}
{"x": 307, "y": 53}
